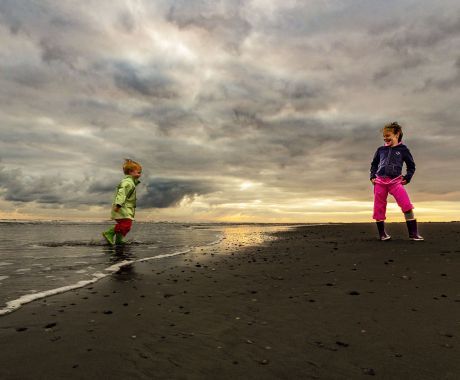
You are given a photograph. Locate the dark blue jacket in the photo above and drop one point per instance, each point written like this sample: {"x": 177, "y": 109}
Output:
{"x": 388, "y": 162}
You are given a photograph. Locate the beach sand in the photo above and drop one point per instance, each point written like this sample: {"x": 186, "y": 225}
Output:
{"x": 324, "y": 302}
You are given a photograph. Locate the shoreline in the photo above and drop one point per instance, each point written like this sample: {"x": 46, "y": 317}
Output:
{"x": 122, "y": 258}
{"x": 325, "y": 302}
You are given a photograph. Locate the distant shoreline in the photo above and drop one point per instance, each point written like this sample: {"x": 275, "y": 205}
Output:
{"x": 205, "y": 223}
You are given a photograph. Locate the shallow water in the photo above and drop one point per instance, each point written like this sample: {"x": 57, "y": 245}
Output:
{"x": 40, "y": 257}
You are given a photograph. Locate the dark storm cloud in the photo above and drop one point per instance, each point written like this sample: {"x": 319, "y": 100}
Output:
{"x": 223, "y": 21}
{"x": 53, "y": 52}
{"x": 445, "y": 84}
{"x": 103, "y": 186}
{"x": 405, "y": 63}
{"x": 151, "y": 83}
{"x": 166, "y": 192}
{"x": 49, "y": 189}
{"x": 19, "y": 189}
{"x": 170, "y": 119}
{"x": 424, "y": 33}
{"x": 155, "y": 193}
{"x": 127, "y": 21}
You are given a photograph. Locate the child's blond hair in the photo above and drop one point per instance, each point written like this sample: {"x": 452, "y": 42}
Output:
{"x": 130, "y": 165}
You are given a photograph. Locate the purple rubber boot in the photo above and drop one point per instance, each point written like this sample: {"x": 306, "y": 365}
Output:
{"x": 382, "y": 233}
{"x": 413, "y": 231}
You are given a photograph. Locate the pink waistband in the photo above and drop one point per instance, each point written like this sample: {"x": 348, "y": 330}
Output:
{"x": 388, "y": 180}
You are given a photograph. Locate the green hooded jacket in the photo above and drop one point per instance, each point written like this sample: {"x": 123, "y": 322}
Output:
{"x": 125, "y": 196}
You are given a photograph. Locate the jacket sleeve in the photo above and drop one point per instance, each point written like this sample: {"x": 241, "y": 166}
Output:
{"x": 410, "y": 166}
{"x": 375, "y": 165}
{"x": 123, "y": 190}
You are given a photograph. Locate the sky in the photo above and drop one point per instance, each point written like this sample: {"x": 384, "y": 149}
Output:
{"x": 238, "y": 111}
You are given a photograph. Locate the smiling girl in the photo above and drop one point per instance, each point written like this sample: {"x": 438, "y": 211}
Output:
{"x": 386, "y": 175}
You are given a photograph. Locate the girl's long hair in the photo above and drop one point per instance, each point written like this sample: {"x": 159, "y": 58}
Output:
{"x": 395, "y": 128}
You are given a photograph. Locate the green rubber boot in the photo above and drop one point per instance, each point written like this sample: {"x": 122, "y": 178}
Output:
{"x": 119, "y": 239}
{"x": 109, "y": 235}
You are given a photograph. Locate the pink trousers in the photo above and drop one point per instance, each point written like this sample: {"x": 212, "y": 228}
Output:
{"x": 384, "y": 186}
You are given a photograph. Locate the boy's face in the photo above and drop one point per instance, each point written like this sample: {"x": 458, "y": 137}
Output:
{"x": 390, "y": 138}
{"x": 135, "y": 173}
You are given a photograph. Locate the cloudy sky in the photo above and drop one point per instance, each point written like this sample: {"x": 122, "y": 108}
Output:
{"x": 262, "y": 110}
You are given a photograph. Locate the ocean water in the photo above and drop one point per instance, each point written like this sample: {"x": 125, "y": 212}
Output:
{"x": 39, "y": 259}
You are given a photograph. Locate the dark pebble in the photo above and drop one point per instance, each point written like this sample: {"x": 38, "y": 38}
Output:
{"x": 369, "y": 371}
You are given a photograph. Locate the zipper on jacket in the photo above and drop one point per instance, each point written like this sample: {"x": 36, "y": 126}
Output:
{"x": 388, "y": 161}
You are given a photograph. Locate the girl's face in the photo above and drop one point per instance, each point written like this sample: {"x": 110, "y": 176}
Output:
{"x": 390, "y": 138}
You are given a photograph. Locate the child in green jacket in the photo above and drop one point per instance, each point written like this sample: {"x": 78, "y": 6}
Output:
{"x": 124, "y": 203}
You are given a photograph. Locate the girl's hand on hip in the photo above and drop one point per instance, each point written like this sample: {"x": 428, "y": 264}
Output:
{"x": 404, "y": 182}
{"x": 373, "y": 181}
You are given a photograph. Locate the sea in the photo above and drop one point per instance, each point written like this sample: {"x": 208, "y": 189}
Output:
{"x": 41, "y": 259}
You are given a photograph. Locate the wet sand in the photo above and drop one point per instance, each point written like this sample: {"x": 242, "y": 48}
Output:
{"x": 326, "y": 302}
